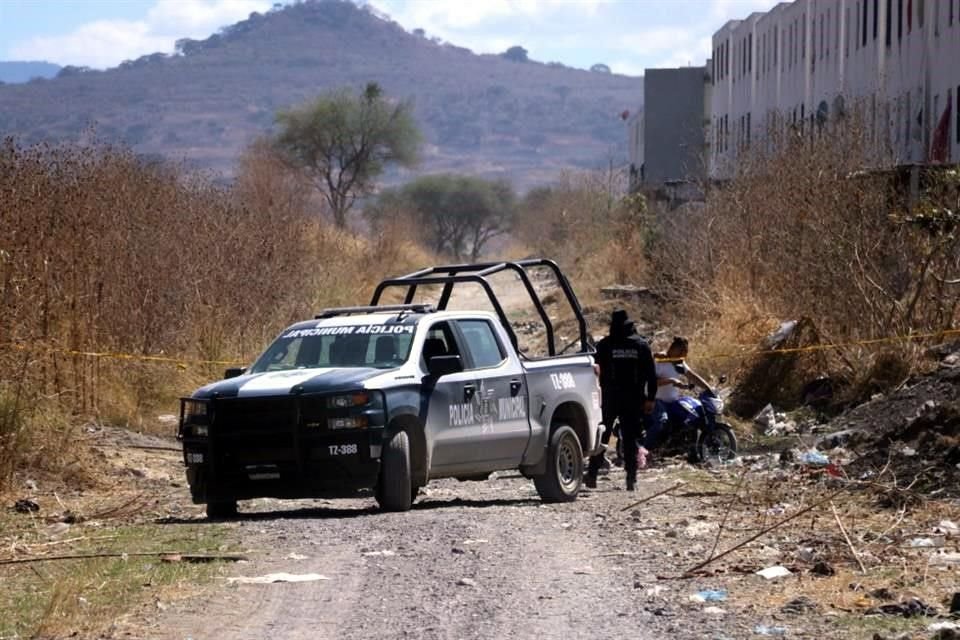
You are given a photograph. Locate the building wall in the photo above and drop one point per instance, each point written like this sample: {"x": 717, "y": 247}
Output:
{"x": 805, "y": 62}
{"x": 672, "y": 132}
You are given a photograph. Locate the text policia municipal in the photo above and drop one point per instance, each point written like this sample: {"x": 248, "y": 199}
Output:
{"x": 349, "y": 331}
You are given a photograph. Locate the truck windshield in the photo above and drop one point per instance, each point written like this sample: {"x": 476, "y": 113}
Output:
{"x": 373, "y": 346}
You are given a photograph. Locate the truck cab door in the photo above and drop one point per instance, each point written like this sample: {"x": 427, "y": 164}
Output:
{"x": 450, "y": 420}
{"x": 501, "y": 404}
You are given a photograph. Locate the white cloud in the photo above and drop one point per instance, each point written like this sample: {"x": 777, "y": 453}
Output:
{"x": 626, "y": 67}
{"x": 106, "y": 43}
{"x": 737, "y": 9}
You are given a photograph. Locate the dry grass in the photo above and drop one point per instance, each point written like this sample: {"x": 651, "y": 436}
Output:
{"x": 881, "y": 538}
{"x": 802, "y": 230}
{"x": 105, "y": 252}
{"x": 823, "y": 239}
{"x": 84, "y": 598}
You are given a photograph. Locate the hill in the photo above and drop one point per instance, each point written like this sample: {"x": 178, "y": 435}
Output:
{"x": 22, "y": 71}
{"x": 482, "y": 114}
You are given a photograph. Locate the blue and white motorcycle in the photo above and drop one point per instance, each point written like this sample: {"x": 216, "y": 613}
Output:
{"x": 698, "y": 431}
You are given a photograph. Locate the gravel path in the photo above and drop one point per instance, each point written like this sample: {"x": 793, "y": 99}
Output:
{"x": 471, "y": 560}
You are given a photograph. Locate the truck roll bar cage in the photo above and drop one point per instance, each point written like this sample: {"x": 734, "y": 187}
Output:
{"x": 451, "y": 275}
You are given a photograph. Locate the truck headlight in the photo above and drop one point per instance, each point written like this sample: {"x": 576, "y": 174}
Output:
{"x": 351, "y": 422}
{"x": 194, "y": 409}
{"x": 194, "y": 418}
{"x": 347, "y": 401}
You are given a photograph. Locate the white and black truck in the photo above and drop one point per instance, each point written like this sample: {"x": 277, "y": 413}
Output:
{"x": 385, "y": 398}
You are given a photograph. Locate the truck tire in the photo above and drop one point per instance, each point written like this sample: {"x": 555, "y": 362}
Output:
{"x": 564, "y": 474}
{"x": 221, "y": 509}
{"x": 395, "y": 489}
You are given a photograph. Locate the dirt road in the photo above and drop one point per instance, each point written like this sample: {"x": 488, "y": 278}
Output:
{"x": 489, "y": 560}
{"x": 471, "y": 560}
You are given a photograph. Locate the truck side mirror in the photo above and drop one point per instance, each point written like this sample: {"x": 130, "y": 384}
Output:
{"x": 233, "y": 372}
{"x": 438, "y": 366}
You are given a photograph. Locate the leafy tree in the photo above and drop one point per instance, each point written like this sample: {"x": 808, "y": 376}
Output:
{"x": 459, "y": 214}
{"x": 343, "y": 142}
{"x": 600, "y": 68}
{"x": 516, "y": 53}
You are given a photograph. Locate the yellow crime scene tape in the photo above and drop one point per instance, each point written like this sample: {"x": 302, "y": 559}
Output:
{"x": 185, "y": 362}
{"x": 822, "y": 347}
{"x": 117, "y": 355}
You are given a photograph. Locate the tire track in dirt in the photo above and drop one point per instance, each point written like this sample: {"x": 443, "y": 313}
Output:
{"x": 471, "y": 560}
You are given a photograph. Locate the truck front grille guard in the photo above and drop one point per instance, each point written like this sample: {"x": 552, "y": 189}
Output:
{"x": 450, "y": 275}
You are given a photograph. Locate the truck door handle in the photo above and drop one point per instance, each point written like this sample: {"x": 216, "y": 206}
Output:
{"x": 515, "y": 386}
{"x": 468, "y": 391}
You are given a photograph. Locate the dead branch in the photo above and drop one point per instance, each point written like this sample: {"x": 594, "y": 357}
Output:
{"x": 843, "y": 530}
{"x": 173, "y": 555}
{"x": 651, "y": 497}
{"x": 154, "y": 448}
{"x": 726, "y": 512}
{"x": 776, "y": 525}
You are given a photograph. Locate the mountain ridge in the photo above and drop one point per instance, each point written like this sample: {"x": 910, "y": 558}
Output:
{"x": 481, "y": 114}
{"x": 25, "y": 70}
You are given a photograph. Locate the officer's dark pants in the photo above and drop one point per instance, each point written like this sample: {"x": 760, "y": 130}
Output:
{"x": 629, "y": 409}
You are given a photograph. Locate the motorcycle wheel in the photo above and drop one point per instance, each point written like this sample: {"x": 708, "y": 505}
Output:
{"x": 718, "y": 446}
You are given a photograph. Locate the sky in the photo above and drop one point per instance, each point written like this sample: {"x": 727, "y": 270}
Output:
{"x": 626, "y": 35}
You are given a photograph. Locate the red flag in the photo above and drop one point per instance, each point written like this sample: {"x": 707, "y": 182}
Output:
{"x": 940, "y": 143}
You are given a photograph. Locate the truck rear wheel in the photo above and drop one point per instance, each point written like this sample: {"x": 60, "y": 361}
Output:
{"x": 395, "y": 489}
{"x": 561, "y": 481}
{"x": 221, "y": 509}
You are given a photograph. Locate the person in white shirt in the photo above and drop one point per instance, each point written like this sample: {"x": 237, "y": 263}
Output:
{"x": 671, "y": 369}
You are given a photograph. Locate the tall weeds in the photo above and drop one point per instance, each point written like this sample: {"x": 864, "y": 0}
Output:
{"x": 104, "y": 252}
{"x": 811, "y": 226}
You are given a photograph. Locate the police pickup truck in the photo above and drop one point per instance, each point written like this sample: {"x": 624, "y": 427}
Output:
{"x": 385, "y": 398}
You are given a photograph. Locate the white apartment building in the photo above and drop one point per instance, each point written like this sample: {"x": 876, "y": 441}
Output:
{"x": 804, "y": 63}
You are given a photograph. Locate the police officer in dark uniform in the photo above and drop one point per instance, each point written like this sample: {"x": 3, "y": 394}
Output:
{"x": 628, "y": 383}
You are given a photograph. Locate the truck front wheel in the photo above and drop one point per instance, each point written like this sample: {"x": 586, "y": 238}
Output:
{"x": 221, "y": 509}
{"x": 395, "y": 489}
{"x": 561, "y": 481}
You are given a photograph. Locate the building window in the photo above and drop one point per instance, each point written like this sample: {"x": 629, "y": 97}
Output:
{"x": 836, "y": 31}
{"x": 950, "y": 13}
{"x": 776, "y": 32}
{"x": 829, "y": 20}
{"x": 846, "y": 34}
{"x": 876, "y": 18}
{"x": 822, "y": 39}
{"x": 936, "y": 111}
{"x": 906, "y": 125}
{"x": 803, "y": 37}
{"x": 743, "y": 57}
{"x": 863, "y": 29}
{"x": 899, "y": 20}
{"x": 790, "y": 48}
{"x": 920, "y": 12}
{"x": 897, "y": 115}
{"x": 888, "y": 31}
{"x": 957, "y": 109}
{"x": 949, "y": 105}
{"x": 936, "y": 17}
{"x": 749, "y": 53}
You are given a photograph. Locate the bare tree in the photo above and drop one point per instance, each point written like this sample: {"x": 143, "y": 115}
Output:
{"x": 343, "y": 142}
